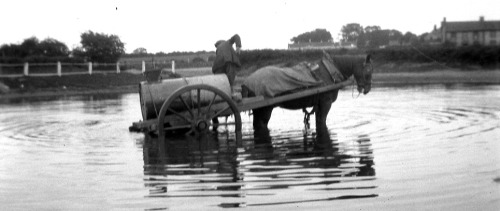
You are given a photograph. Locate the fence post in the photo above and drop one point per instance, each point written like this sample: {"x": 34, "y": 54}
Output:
{"x": 143, "y": 66}
{"x": 117, "y": 67}
{"x": 173, "y": 66}
{"x": 59, "y": 72}
{"x": 90, "y": 68}
{"x": 26, "y": 68}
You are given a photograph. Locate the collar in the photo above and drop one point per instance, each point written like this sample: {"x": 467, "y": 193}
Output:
{"x": 335, "y": 73}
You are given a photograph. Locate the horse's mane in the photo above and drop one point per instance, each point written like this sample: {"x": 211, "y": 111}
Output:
{"x": 348, "y": 64}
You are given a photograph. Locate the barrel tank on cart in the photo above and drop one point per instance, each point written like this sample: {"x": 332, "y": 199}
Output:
{"x": 154, "y": 94}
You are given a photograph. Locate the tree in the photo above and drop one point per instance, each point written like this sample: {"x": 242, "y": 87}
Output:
{"x": 351, "y": 32}
{"x": 395, "y": 35}
{"x": 370, "y": 29}
{"x": 362, "y": 40}
{"x": 371, "y": 36}
{"x": 378, "y": 38}
{"x": 318, "y": 35}
{"x": 99, "y": 47}
{"x": 422, "y": 39}
{"x": 12, "y": 50}
{"x": 140, "y": 50}
{"x": 33, "y": 48}
{"x": 53, "y": 48}
{"x": 410, "y": 38}
{"x": 30, "y": 46}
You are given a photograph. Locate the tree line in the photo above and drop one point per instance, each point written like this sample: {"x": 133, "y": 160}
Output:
{"x": 95, "y": 47}
{"x": 363, "y": 37}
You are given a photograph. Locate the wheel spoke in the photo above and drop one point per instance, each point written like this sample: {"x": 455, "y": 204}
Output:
{"x": 198, "y": 100}
{"x": 187, "y": 107}
{"x": 220, "y": 112}
{"x": 211, "y": 102}
{"x": 180, "y": 115}
{"x": 189, "y": 132}
{"x": 192, "y": 103}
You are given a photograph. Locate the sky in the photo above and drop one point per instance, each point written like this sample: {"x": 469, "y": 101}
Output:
{"x": 195, "y": 25}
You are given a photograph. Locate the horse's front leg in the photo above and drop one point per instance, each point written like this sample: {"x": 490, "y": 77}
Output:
{"x": 322, "y": 109}
{"x": 261, "y": 117}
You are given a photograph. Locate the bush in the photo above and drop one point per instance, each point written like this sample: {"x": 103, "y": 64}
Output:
{"x": 198, "y": 60}
{"x": 470, "y": 55}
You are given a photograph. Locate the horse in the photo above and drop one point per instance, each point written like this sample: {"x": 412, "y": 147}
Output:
{"x": 328, "y": 70}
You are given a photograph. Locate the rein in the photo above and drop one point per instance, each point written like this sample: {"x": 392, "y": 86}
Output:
{"x": 352, "y": 91}
{"x": 363, "y": 72}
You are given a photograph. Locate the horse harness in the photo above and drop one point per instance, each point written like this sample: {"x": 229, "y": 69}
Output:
{"x": 333, "y": 76}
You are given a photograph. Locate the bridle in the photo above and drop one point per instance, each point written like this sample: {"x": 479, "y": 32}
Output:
{"x": 367, "y": 67}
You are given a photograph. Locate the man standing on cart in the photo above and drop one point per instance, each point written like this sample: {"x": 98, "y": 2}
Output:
{"x": 227, "y": 60}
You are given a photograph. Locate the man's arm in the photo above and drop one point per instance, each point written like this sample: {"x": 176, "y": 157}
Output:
{"x": 235, "y": 39}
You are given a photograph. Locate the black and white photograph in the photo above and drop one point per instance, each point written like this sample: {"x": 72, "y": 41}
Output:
{"x": 249, "y": 105}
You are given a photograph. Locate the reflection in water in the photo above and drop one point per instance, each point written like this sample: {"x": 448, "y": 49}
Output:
{"x": 101, "y": 103}
{"x": 436, "y": 148}
{"x": 257, "y": 173}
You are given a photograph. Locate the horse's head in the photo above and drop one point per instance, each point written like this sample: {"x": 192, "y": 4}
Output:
{"x": 359, "y": 66}
{"x": 363, "y": 75}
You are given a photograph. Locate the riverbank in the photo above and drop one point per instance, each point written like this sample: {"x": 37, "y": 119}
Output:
{"x": 128, "y": 82}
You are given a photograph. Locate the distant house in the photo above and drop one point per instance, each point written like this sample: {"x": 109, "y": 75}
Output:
{"x": 463, "y": 33}
{"x": 313, "y": 46}
{"x": 434, "y": 37}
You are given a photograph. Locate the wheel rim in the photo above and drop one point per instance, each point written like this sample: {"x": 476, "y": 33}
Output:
{"x": 193, "y": 107}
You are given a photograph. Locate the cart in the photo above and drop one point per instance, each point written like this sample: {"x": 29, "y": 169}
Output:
{"x": 193, "y": 108}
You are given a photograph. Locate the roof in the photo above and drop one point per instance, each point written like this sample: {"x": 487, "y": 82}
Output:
{"x": 472, "y": 26}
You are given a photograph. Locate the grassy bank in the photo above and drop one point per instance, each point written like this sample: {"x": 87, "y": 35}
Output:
{"x": 128, "y": 82}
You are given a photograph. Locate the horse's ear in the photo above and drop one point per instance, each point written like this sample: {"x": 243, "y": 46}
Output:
{"x": 368, "y": 59}
{"x": 327, "y": 56}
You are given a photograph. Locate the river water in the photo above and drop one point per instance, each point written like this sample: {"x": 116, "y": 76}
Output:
{"x": 426, "y": 147}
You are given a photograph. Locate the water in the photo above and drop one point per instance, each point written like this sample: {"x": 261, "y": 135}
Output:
{"x": 409, "y": 147}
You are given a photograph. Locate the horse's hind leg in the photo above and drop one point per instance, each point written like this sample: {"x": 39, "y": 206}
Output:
{"x": 261, "y": 117}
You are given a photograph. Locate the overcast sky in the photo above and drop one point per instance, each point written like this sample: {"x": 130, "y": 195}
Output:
{"x": 194, "y": 25}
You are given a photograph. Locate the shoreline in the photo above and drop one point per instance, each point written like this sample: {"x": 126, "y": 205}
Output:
{"x": 491, "y": 77}
{"x": 71, "y": 92}
{"x": 438, "y": 77}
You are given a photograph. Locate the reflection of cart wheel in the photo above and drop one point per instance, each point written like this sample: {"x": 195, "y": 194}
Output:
{"x": 193, "y": 107}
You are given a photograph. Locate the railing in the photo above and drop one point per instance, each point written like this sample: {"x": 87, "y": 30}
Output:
{"x": 59, "y": 69}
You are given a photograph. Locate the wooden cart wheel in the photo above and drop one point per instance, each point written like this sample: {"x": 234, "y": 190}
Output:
{"x": 193, "y": 107}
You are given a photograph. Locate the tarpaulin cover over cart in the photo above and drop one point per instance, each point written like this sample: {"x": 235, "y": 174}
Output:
{"x": 271, "y": 81}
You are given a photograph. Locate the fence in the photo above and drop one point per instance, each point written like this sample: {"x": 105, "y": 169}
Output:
{"x": 59, "y": 69}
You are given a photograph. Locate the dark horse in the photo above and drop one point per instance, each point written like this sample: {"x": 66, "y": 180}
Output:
{"x": 328, "y": 70}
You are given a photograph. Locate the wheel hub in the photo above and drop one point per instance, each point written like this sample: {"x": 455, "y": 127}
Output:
{"x": 202, "y": 125}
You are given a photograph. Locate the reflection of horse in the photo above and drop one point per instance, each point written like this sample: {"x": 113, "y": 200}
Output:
{"x": 212, "y": 166}
{"x": 328, "y": 70}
